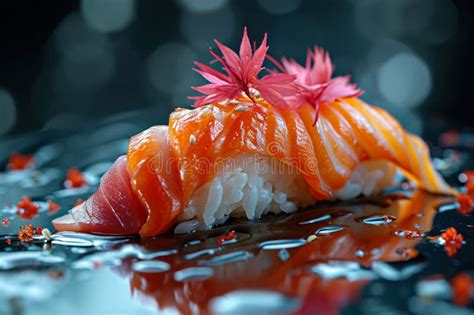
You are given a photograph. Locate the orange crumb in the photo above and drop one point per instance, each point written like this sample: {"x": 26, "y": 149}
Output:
{"x": 227, "y": 237}
{"x": 465, "y": 203}
{"x": 26, "y": 233}
{"x": 26, "y": 209}
{"x": 18, "y": 161}
{"x": 53, "y": 207}
{"x": 5, "y": 222}
{"x": 462, "y": 286}
{"x": 452, "y": 241}
{"x": 8, "y": 241}
{"x": 74, "y": 179}
{"x": 78, "y": 202}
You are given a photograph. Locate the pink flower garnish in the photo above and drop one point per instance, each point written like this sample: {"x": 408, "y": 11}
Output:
{"x": 241, "y": 74}
{"x": 314, "y": 81}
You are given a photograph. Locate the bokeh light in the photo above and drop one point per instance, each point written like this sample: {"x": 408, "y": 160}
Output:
{"x": 202, "y": 5}
{"x": 87, "y": 57}
{"x": 200, "y": 29}
{"x": 7, "y": 111}
{"x": 169, "y": 67}
{"x": 108, "y": 15}
{"x": 279, "y": 7}
{"x": 404, "y": 80}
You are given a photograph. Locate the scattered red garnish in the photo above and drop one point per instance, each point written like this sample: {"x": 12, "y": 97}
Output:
{"x": 74, "y": 179}
{"x": 410, "y": 234}
{"x": 461, "y": 285}
{"x": 18, "y": 161}
{"x": 227, "y": 237}
{"x": 452, "y": 241}
{"x": 26, "y": 209}
{"x": 53, "y": 207}
{"x": 241, "y": 75}
{"x": 39, "y": 230}
{"x": 8, "y": 241}
{"x": 78, "y": 202}
{"x": 314, "y": 82}
{"x": 5, "y": 222}
{"x": 465, "y": 203}
{"x": 26, "y": 233}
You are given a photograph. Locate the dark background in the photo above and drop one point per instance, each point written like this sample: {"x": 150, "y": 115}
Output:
{"x": 67, "y": 62}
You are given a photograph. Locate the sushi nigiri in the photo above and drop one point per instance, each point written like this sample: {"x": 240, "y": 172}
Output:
{"x": 254, "y": 145}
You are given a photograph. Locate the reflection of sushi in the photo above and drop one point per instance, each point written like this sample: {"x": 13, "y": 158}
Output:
{"x": 325, "y": 293}
{"x": 260, "y": 145}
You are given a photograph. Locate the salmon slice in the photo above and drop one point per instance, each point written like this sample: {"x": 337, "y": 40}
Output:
{"x": 167, "y": 164}
{"x": 114, "y": 209}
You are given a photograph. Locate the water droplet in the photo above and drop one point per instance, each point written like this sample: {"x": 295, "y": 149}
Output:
{"x": 406, "y": 253}
{"x": 360, "y": 253}
{"x": 389, "y": 272}
{"x": 254, "y": 302}
{"x": 227, "y": 258}
{"x": 378, "y": 219}
{"x": 328, "y": 230}
{"x": 342, "y": 269}
{"x": 375, "y": 252}
{"x": 86, "y": 240}
{"x": 281, "y": 244}
{"x": 22, "y": 259}
{"x": 207, "y": 251}
{"x": 137, "y": 251}
{"x": 193, "y": 273}
{"x": 316, "y": 220}
{"x": 447, "y": 207}
{"x": 192, "y": 243}
{"x": 434, "y": 288}
{"x": 150, "y": 266}
{"x": 284, "y": 255}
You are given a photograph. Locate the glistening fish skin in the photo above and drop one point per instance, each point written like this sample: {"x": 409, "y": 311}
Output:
{"x": 166, "y": 164}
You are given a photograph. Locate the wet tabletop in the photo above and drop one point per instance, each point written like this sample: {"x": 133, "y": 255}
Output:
{"x": 392, "y": 254}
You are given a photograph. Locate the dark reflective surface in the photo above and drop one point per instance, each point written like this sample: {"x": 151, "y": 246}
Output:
{"x": 367, "y": 256}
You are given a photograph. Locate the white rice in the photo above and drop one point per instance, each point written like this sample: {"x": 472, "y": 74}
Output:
{"x": 251, "y": 186}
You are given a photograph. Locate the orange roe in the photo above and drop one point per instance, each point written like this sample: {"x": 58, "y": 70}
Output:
{"x": 465, "y": 203}
{"x": 461, "y": 285}
{"x": 20, "y": 162}
{"x": 227, "y": 237}
{"x": 5, "y": 222}
{"x": 8, "y": 241}
{"x": 26, "y": 209}
{"x": 452, "y": 241}
{"x": 78, "y": 202}
{"x": 26, "y": 233}
{"x": 53, "y": 207}
{"x": 74, "y": 179}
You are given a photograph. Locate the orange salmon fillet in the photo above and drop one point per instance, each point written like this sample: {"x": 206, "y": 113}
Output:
{"x": 168, "y": 164}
